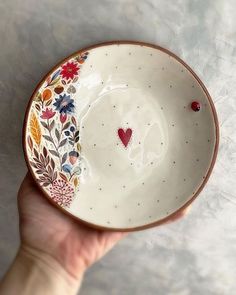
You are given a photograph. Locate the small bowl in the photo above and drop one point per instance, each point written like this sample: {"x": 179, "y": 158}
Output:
{"x": 121, "y": 135}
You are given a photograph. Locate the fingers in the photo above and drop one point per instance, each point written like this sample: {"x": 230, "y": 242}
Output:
{"x": 180, "y": 214}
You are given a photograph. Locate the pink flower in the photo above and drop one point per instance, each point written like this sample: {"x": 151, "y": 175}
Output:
{"x": 47, "y": 114}
{"x": 63, "y": 118}
{"x": 62, "y": 192}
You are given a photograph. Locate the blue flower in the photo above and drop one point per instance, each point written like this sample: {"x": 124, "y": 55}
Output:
{"x": 64, "y": 104}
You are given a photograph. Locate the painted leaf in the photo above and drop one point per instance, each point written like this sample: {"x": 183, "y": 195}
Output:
{"x": 64, "y": 158}
{"x": 54, "y": 153}
{"x": 30, "y": 142}
{"x": 45, "y": 152}
{"x": 44, "y": 124}
{"x": 76, "y": 182}
{"x": 48, "y": 102}
{"x": 63, "y": 142}
{"x": 57, "y": 134}
{"x": 63, "y": 176}
{"x": 47, "y": 138}
{"x": 51, "y": 125}
{"x": 38, "y": 97}
{"x": 78, "y": 147}
{"x": 54, "y": 81}
{"x": 55, "y": 75}
{"x": 35, "y": 129}
{"x": 37, "y": 106}
{"x": 73, "y": 120}
{"x": 66, "y": 126}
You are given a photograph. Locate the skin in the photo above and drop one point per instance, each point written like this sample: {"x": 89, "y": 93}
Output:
{"x": 54, "y": 247}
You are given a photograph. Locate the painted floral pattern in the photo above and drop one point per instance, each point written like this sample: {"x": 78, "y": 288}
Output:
{"x": 53, "y": 133}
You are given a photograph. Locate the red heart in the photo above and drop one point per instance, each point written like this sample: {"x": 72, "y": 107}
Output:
{"x": 125, "y": 135}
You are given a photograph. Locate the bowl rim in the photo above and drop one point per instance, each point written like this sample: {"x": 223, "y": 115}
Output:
{"x": 175, "y": 213}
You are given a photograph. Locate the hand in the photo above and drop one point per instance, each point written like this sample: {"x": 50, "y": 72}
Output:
{"x": 45, "y": 229}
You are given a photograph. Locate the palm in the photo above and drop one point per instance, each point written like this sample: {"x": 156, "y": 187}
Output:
{"x": 45, "y": 228}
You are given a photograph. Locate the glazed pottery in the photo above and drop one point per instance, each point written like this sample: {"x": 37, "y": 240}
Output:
{"x": 121, "y": 135}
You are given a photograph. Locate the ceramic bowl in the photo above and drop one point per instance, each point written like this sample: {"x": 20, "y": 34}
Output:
{"x": 121, "y": 135}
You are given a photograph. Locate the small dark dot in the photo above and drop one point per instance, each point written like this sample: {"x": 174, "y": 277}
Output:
{"x": 173, "y": 125}
{"x": 167, "y": 212}
{"x": 84, "y": 168}
{"x": 91, "y": 208}
{"x": 196, "y": 124}
{"x": 83, "y": 127}
{"x": 106, "y": 54}
{"x": 139, "y": 68}
{"x": 116, "y": 67}
{"x": 137, "y": 107}
{"x": 162, "y": 68}
{"x": 114, "y": 106}
{"x": 102, "y": 82}
{"x": 151, "y": 163}
{"x": 142, "y": 183}
{"x": 91, "y": 66}
{"x": 161, "y": 143}
{"x": 127, "y": 123}
{"x": 149, "y": 86}
{"x": 139, "y": 142}
{"x": 102, "y": 124}
{"x": 163, "y": 180}
{"x": 127, "y": 85}
{"x": 204, "y": 177}
{"x": 108, "y": 222}
{"x": 170, "y": 86}
{"x": 173, "y": 162}
{"x": 94, "y": 144}
{"x": 150, "y": 54}
{"x": 100, "y": 188}
{"x": 129, "y": 53}
{"x": 161, "y": 108}
{"x": 192, "y": 86}
{"x": 115, "y": 206}
{"x": 138, "y": 204}
{"x": 176, "y": 197}
{"x": 150, "y": 216}
{"x": 89, "y": 105}
{"x": 129, "y": 219}
{"x": 131, "y": 164}
{"x": 184, "y": 107}
{"x": 208, "y": 140}
{"x": 109, "y": 165}
{"x": 123, "y": 186}
{"x": 193, "y": 193}
{"x": 182, "y": 71}
{"x": 186, "y": 142}
{"x": 117, "y": 143}
{"x": 158, "y": 201}
{"x": 149, "y": 124}
{"x": 184, "y": 179}
{"x": 197, "y": 160}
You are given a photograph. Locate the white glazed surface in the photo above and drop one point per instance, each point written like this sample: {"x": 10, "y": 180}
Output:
{"x": 171, "y": 147}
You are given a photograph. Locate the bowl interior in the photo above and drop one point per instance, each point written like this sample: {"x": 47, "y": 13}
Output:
{"x": 111, "y": 136}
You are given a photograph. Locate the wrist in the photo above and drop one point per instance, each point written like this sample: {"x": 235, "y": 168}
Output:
{"x": 36, "y": 272}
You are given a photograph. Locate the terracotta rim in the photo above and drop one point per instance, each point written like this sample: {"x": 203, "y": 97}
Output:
{"x": 177, "y": 212}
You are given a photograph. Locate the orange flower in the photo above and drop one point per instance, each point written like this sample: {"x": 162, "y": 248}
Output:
{"x": 46, "y": 95}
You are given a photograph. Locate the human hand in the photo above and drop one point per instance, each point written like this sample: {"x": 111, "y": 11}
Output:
{"x": 55, "y": 249}
{"x": 47, "y": 230}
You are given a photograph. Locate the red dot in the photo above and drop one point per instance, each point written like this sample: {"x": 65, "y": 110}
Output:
{"x": 195, "y": 105}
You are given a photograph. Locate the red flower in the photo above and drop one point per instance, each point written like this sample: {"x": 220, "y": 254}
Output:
{"x": 69, "y": 70}
{"x": 63, "y": 118}
{"x": 47, "y": 114}
{"x": 62, "y": 192}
